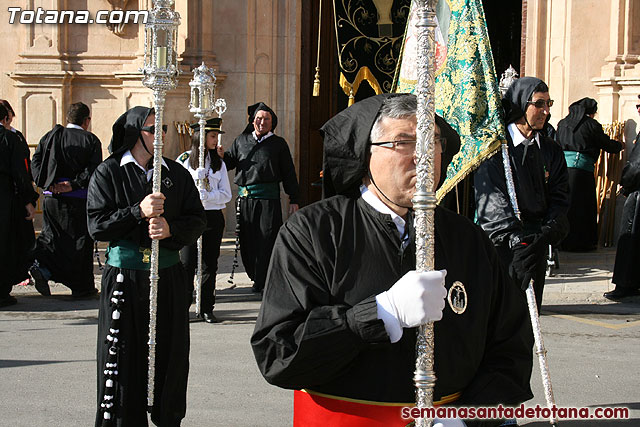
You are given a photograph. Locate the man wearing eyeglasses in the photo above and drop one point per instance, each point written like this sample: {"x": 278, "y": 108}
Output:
{"x": 62, "y": 166}
{"x": 343, "y": 298}
{"x": 541, "y": 184}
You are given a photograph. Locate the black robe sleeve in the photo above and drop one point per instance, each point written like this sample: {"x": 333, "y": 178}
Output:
{"x": 289, "y": 179}
{"x": 495, "y": 213}
{"x": 555, "y": 223}
{"x": 20, "y": 170}
{"x": 94, "y": 155}
{"x": 110, "y": 217}
{"x": 231, "y": 156}
{"x": 302, "y": 337}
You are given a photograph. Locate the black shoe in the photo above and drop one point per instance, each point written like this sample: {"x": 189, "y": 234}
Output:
{"x": 7, "y": 301}
{"x": 89, "y": 294}
{"x": 209, "y": 317}
{"x": 619, "y": 292}
{"x": 256, "y": 290}
{"x": 39, "y": 281}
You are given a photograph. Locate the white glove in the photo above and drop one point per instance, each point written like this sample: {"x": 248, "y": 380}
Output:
{"x": 415, "y": 299}
{"x": 203, "y": 194}
{"x": 448, "y": 422}
{"x": 201, "y": 173}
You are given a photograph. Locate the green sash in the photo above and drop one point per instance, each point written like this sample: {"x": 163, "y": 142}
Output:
{"x": 578, "y": 160}
{"x": 267, "y": 190}
{"x": 126, "y": 254}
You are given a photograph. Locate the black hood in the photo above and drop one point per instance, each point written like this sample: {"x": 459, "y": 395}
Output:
{"x": 578, "y": 112}
{"x": 253, "y": 109}
{"x": 346, "y": 146}
{"x": 517, "y": 96}
{"x": 126, "y": 130}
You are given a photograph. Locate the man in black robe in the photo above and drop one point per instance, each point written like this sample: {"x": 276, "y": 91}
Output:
{"x": 262, "y": 160}
{"x": 541, "y": 186}
{"x": 343, "y": 298}
{"x": 62, "y": 166}
{"x": 626, "y": 270}
{"x": 17, "y": 208}
{"x": 582, "y": 137}
{"x": 123, "y": 211}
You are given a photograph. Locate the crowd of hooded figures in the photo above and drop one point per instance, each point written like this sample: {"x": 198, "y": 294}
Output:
{"x": 338, "y": 279}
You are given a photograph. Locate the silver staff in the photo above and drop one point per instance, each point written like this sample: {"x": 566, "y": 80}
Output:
{"x": 202, "y": 95}
{"x": 220, "y": 106}
{"x": 424, "y": 199}
{"x": 507, "y": 79}
{"x": 160, "y": 74}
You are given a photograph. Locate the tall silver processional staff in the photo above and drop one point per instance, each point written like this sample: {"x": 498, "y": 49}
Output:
{"x": 424, "y": 199}
{"x": 160, "y": 74}
{"x": 507, "y": 80}
{"x": 202, "y": 95}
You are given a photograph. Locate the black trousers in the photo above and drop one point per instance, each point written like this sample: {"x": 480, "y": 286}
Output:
{"x": 211, "y": 240}
{"x": 172, "y": 347}
{"x": 64, "y": 246}
{"x": 17, "y": 241}
{"x": 260, "y": 221}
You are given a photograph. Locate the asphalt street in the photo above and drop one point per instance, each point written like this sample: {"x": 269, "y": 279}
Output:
{"x": 48, "y": 368}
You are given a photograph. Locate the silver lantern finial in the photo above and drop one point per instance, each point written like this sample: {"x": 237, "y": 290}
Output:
{"x": 202, "y": 104}
{"x": 160, "y": 74}
{"x": 508, "y": 77}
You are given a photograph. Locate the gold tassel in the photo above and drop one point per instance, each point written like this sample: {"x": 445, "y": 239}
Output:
{"x": 316, "y": 80}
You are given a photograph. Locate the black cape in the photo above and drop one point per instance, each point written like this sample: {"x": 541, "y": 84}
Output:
{"x": 318, "y": 326}
{"x": 66, "y": 153}
{"x": 16, "y": 191}
{"x": 64, "y": 246}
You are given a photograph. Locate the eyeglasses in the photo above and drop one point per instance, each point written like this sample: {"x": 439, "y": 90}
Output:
{"x": 408, "y": 146}
{"x": 540, "y": 103}
{"x": 152, "y": 129}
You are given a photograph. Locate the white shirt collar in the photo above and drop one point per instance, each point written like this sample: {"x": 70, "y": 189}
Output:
{"x": 265, "y": 136}
{"x": 127, "y": 157}
{"x": 378, "y": 205}
{"x": 73, "y": 126}
{"x": 518, "y": 138}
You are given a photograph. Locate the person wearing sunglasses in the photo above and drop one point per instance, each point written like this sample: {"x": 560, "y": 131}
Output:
{"x": 62, "y": 165}
{"x": 122, "y": 210}
{"x": 343, "y": 297}
{"x": 541, "y": 185}
{"x": 582, "y": 138}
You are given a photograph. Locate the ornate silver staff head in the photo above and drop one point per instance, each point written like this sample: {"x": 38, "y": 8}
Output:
{"x": 508, "y": 77}
{"x": 160, "y": 47}
{"x": 203, "y": 87}
{"x": 220, "y": 106}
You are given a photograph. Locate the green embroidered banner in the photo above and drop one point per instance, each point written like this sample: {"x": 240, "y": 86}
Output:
{"x": 467, "y": 93}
